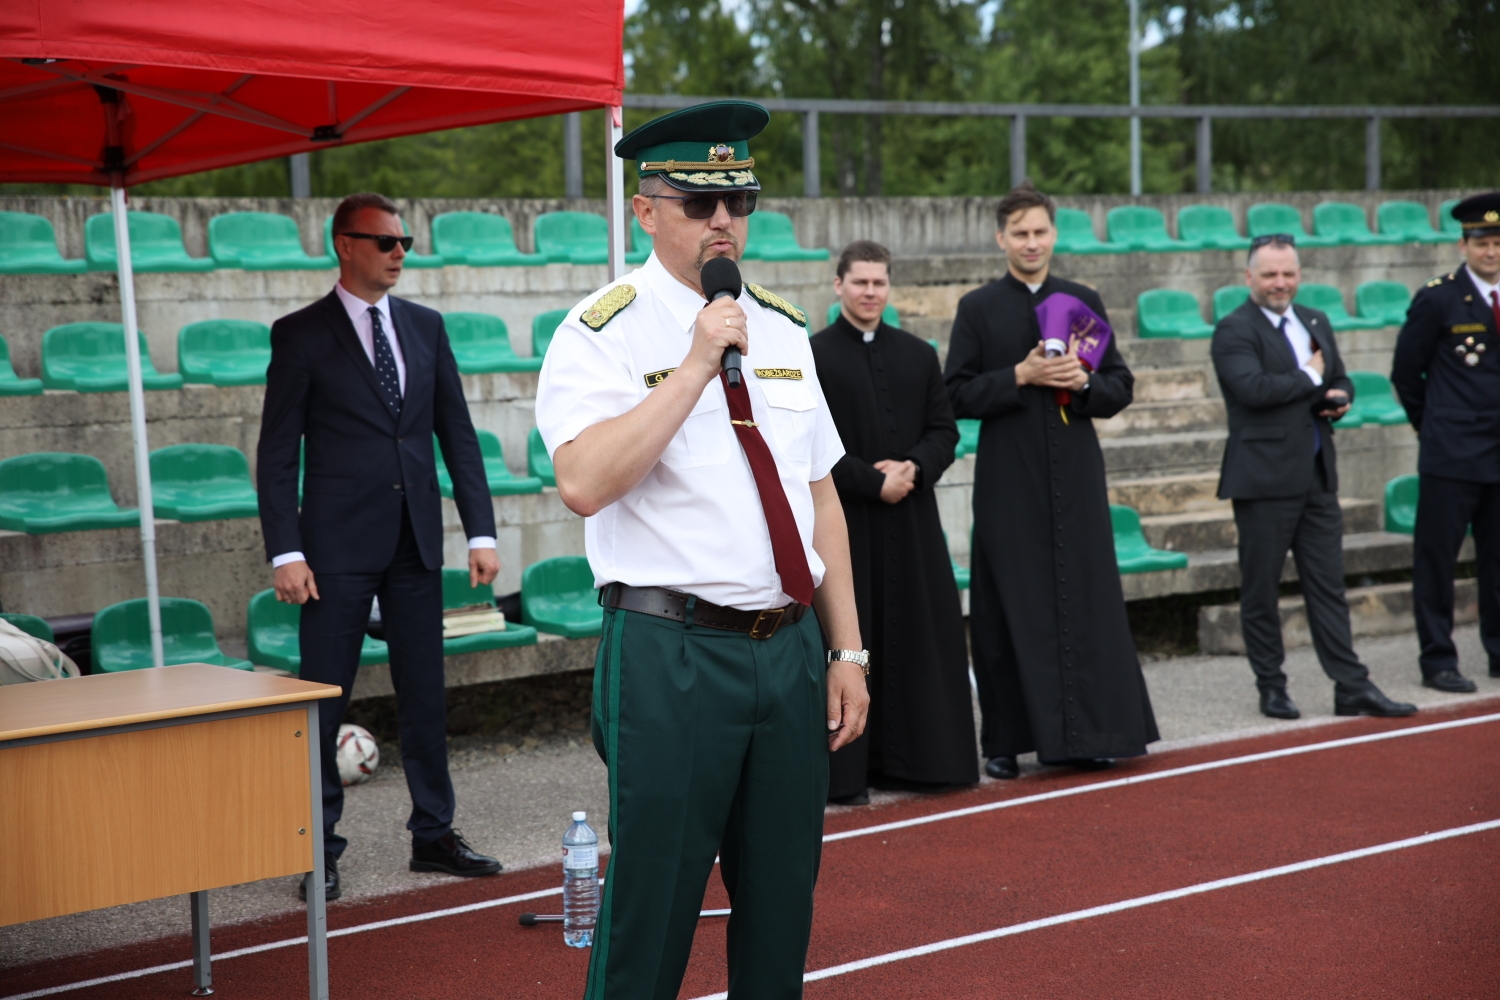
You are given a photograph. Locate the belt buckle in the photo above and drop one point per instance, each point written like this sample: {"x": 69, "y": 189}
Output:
{"x": 774, "y": 616}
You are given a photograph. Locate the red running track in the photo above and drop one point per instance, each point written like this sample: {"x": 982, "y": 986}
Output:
{"x": 1422, "y": 921}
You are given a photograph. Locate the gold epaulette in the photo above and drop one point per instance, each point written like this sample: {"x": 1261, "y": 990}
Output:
{"x": 773, "y": 301}
{"x": 607, "y": 306}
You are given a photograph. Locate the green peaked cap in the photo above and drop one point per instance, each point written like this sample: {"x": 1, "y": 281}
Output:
{"x": 702, "y": 148}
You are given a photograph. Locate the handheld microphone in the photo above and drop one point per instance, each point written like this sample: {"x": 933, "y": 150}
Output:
{"x": 720, "y": 277}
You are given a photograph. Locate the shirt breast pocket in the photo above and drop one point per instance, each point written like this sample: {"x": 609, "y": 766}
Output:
{"x": 792, "y": 412}
{"x": 703, "y": 438}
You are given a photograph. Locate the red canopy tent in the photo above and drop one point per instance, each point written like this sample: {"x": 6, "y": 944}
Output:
{"x": 112, "y": 93}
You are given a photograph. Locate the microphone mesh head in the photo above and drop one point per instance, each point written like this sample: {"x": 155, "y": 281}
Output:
{"x": 720, "y": 275}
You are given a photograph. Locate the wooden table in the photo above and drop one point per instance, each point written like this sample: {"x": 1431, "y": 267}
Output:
{"x": 124, "y": 787}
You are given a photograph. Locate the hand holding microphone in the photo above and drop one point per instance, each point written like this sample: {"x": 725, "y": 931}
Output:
{"x": 722, "y": 321}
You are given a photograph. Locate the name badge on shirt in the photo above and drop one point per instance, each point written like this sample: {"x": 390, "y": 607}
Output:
{"x": 655, "y": 379}
{"x": 1469, "y": 328}
{"x": 791, "y": 373}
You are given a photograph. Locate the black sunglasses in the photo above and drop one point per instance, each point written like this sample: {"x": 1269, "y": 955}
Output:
{"x": 385, "y": 244}
{"x": 703, "y": 206}
{"x": 1280, "y": 239}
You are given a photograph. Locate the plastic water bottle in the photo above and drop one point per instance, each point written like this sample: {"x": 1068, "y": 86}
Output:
{"x": 580, "y": 882}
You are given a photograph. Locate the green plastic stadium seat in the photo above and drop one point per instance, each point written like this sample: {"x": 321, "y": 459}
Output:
{"x": 224, "y": 352}
{"x": 1272, "y": 218}
{"x": 1446, "y": 222}
{"x": 558, "y": 596}
{"x": 1166, "y": 312}
{"x": 1228, "y": 299}
{"x": 479, "y": 239}
{"x": 1331, "y": 301}
{"x": 1211, "y": 227}
{"x": 968, "y": 437}
{"x": 48, "y": 492}
{"x": 458, "y": 594}
{"x": 1137, "y": 227}
{"x": 543, "y": 326}
{"x": 481, "y": 343}
{"x": 261, "y": 241}
{"x": 1375, "y": 401}
{"x": 773, "y": 237}
{"x": 10, "y": 383}
{"x": 28, "y": 245}
{"x": 90, "y": 357}
{"x": 201, "y": 482}
{"x": 1409, "y": 222}
{"x": 412, "y": 258}
{"x": 155, "y": 244}
{"x": 1401, "y": 504}
{"x": 1075, "y": 234}
{"x": 572, "y": 237}
{"x": 888, "y": 316}
{"x": 1382, "y": 301}
{"x": 31, "y": 625}
{"x": 1132, "y": 551}
{"x": 538, "y": 462}
{"x": 122, "y": 636}
{"x": 273, "y": 636}
{"x": 640, "y": 240}
{"x": 501, "y": 480}
{"x": 1346, "y": 223}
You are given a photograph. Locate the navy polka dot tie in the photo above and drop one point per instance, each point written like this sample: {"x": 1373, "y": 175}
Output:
{"x": 385, "y": 365}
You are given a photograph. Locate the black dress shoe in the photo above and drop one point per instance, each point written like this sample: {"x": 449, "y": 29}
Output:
{"x": 1003, "y": 768}
{"x": 1275, "y": 703}
{"x": 1451, "y": 681}
{"x": 331, "y": 890}
{"x": 1091, "y": 763}
{"x": 452, "y": 854}
{"x": 857, "y": 799}
{"x": 1371, "y": 701}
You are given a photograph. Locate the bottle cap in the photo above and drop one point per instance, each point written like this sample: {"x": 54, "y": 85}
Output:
{"x": 580, "y": 816}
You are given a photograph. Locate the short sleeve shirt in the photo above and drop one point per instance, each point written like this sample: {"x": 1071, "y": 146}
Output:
{"x": 695, "y": 523}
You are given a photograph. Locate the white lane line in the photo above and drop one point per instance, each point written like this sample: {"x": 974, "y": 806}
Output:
{"x": 847, "y": 834}
{"x": 1136, "y": 903}
{"x": 1174, "y": 772}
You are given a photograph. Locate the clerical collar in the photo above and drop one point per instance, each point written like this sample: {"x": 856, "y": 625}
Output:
{"x": 1034, "y": 287}
{"x": 869, "y": 335}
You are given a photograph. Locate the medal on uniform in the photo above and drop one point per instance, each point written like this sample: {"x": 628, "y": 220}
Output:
{"x": 1469, "y": 351}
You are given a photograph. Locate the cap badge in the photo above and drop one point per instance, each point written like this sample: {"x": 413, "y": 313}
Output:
{"x": 720, "y": 153}
{"x": 1492, "y": 216}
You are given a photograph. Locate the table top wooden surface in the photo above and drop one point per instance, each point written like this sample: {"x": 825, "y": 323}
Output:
{"x": 44, "y": 708}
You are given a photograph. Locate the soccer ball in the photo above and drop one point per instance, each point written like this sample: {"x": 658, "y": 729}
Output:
{"x": 357, "y": 754}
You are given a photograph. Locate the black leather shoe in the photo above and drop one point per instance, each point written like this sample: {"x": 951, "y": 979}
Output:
{"x": 331, "y": 890}
{"x": 1451, "y": 681}
{"x": 1371, "y": 701}
{"x": 857, "y": 799}
{"x": 1275, "y": 703}
{"x": 1003, "y": 768}
{"x": 452, "y": 854}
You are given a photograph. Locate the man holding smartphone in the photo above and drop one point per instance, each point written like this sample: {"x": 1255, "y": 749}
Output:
{"x": 1284, "y": 383}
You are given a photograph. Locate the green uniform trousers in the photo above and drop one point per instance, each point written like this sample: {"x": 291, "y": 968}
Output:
{"x": 716, "y": 743}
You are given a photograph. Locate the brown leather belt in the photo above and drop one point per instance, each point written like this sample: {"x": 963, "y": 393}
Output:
{"x": 671, "y": 604}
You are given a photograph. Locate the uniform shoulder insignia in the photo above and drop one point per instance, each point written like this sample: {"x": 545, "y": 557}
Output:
{"x": 1435, "y": 282}
{"x": 607, "y": 306}
{"x": 773, "y": 301}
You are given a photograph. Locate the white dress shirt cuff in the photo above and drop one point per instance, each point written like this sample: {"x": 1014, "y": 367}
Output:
{"x": 481, "y": 542}
{"x": 1312, "y": 373}
{"x": 287, "y": 557}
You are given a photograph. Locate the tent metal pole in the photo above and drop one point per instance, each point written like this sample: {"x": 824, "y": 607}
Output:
{"x": 137, "y": 417}
{"x": 614, "y": 182}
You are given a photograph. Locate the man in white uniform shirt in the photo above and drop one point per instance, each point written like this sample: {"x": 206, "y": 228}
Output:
{"x": 714, "y": 531}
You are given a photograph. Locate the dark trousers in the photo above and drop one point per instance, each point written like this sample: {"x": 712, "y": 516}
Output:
{"x": 716, "y": 743}
{"x": 1311, "y": 527}
{"x": 1445, "y": 510}
{"x": 333, "y": 628}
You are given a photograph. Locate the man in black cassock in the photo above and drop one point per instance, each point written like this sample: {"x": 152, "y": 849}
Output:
{"x": 1053, "y": 656}
{"x": 885, "y": 393}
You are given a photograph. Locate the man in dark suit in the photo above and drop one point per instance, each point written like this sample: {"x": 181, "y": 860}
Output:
{"x": 1447, "y": 372}
{"x": 1283, "y": 381}
{"x": 366, "y": 380}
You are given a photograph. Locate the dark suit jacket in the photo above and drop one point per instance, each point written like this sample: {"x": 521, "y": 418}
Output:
{"x": 361, "y": 462}
{"x": 1270, "y": 404}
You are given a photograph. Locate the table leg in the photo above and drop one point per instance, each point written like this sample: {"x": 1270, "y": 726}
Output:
{"x": 203, "y": 976}
{"x": 317, "y": 903}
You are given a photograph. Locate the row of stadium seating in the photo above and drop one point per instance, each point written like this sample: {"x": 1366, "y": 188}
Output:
{"x": 1211, "y": 227}
{"x": 1167, "y": 312}
{"x": 265, "y": 241}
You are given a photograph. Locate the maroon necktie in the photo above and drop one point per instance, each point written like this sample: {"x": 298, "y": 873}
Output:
{"x": 1495, "y": 305}
{"x": 786, "y": 540}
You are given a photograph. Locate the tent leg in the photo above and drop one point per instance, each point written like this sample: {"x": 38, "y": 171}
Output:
{"x": 614, "y": 182}
{"x": 138, "y": 418}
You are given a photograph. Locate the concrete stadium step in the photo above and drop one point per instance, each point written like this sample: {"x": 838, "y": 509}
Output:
{"x": 1385, "y": 609}
{"x": 1163, "y": 454}
{"x": 1203, "y": 530}
{"x": 1165, "y": 417}
{"x": 1194, "y": 491}
{"x": 1166, "y": 352}
{"x": 1160, "y": 385}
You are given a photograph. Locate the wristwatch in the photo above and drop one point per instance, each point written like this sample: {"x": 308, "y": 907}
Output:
{"x": 858, "y": 656}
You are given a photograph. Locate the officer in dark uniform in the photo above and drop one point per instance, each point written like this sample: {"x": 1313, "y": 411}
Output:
{"x": 1447, "y": 372}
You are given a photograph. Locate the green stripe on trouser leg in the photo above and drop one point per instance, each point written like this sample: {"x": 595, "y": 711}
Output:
{"x": 716, "y": 743}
